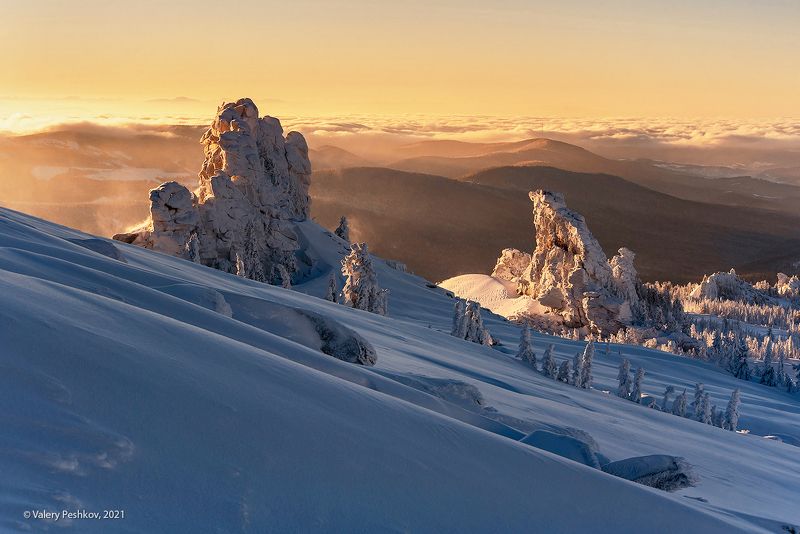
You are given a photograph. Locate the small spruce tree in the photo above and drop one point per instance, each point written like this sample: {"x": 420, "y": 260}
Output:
{"x": 459, "y": 328}
{"x": 665, "y": 401}
{"x": 624, "y": 379}
{"x": 343, "y": 230}
{"x": 636, "y": 394}
{"x": 679, "y": 406}
{"x": 699, "y": 389}
{"x": 476, "y": 332}
{"x": 361, "y": 289}
{"x": 741, "y": 367}
{"x": 564, "y": 372}
{"x": 586, "y": 366}
{"x": 768, "y": 375}
{"x": 577, "y": 369}
{"x": 731, "y": 418}
{"x": 332, "y": 290}
{"x": 705, "y": 410}
{"x": 525, "y": 351}
{"x": 549, "y": 363}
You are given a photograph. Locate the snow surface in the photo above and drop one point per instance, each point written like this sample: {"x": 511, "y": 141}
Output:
{"x": 191, "y": 399}
{"x": 494, "y": 294}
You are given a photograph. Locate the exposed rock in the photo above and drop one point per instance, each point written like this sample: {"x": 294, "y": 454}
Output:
{"x": 340, "y": 341}
{"x": 511, "y": 264}
{"x": 253, "y": 185}
{"x": 570, "y": 274}
{"x": 660, "y": 471}
{"x": 728, "y": 286}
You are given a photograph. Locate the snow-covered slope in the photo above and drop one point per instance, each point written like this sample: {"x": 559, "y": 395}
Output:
{"x": 198, "y": 401}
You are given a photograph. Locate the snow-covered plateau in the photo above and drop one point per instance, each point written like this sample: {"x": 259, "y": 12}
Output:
{"x": 199, "y": 401}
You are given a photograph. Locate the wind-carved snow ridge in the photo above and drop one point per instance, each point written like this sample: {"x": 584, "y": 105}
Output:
{"x": 570, "y": 274}
{"x": 253, "y": 188}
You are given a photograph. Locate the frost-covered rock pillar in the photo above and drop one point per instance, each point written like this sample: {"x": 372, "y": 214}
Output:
{"x": 253, "y": 187}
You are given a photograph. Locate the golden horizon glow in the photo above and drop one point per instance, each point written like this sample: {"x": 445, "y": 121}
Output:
{"x": 167, "y": 63}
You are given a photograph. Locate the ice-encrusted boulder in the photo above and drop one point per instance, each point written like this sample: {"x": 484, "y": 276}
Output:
{"x": 511, "y": 265}
{"x": 570, "y": 274}
{"x": 728, "y": 286}
{"x": 253, "y": 186}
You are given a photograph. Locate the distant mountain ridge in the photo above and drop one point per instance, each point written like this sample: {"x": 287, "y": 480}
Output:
{"x": 442, "y": 227}
{"x": 459, "y": 159}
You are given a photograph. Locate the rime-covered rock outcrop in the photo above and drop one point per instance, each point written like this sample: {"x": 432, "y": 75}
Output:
{"x": 570, "y": 274}
{"x": 788, "y": 286}
{"x": 728, "y": 286}
{"x": 253, "y": 185}
{"x": 511, "y": 265}
{"x": 626, "y": 279}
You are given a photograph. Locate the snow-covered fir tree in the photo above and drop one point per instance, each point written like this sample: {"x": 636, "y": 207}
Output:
{"x": 741, "y": 367}
{"x": 704, "y": 413}
{"x": 586, "y": 366}
{"x": 679, "y": 406}
{"x": 731, "y": 419}
{"x": 564, "y": 372}
{"x": 332, "y": 290}
{"x": 549, "y": 368}
{"x": 636, "y": 393}
{"x": 781, "y": 375}
{"x": 193, "y": 248}
{"x": 717, "y": 417}
{"x": 459, "y": 328}
{"x": 525, "y": 351}
{"x": 624, "y": 379}
{"x": 343, "y": 230}
{"x": 476, "y": 332}
{"x": 577, "y": 369}
{"x": 668, "y": 391}
{"x": 768, "y": 375}
{"x": 361, "y": 289}
{"x": 699, "y": 389}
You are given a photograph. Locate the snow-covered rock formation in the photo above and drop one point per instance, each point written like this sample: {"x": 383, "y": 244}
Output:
{"x": 570, "y": 274}
{"x": 511, "y": 264}
{"x": 728, "y": 286}
{"x": 253, "y": 186}
{"x": 788, "y": 286}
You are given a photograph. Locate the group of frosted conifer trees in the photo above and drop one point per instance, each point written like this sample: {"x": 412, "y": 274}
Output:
{"x": 700, "y": 409}
{"x": 578, "y": 372}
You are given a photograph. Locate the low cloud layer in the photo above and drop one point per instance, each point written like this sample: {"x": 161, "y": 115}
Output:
{"x": 700, "y": 141}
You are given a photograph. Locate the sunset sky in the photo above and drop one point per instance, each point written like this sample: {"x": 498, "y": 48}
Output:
{"x": 574, "y": 58}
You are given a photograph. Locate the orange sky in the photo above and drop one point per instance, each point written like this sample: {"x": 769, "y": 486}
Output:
{"x": 129, "y": 60}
